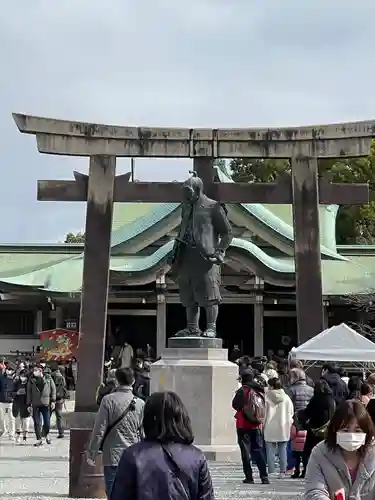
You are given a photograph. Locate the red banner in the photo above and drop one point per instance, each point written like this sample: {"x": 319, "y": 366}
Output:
{"x": 59, "y": 344}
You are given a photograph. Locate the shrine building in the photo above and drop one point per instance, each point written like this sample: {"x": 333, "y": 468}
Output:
{"x": 40, "y": 284}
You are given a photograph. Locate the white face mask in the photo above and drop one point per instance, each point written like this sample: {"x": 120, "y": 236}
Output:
{"x": 9, "y": 373}
{"x": 37, "y": 374}
{"x": 23, "y": 379}
{"x": 350, "y": 441}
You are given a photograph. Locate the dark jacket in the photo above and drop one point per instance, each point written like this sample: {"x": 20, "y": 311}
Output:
{"x": 40, "y": 391}
{"x": 146, "y": 473}
{"x": 20, "y": 406}
{"x": 142, "y": 385}
{"x": 285, "y": 380}
{"x": 211, "y": 228}
{"x": 238, "y": 404}
{"x": 319, "y": 411}
{"x": 6, "y": 389}
{"x": 339, "y": 388}
{"x": 300, "y": 393}
{"x": 60, "y": 384}
{"x": 104, "y": 389}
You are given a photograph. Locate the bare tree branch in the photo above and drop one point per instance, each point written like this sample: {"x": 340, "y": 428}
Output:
{"x": 364, "y": 303}
{"x": 365, "y": 330}
{"x": 361, "y": 302}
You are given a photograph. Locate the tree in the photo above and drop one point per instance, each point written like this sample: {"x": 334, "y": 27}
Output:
{"x": 364, "y": 304}
{"x": 75, "y": 238}
{"x": 355, "y": 223}
{"x": 220, "y": 163}
{"x": 258, "y": 170}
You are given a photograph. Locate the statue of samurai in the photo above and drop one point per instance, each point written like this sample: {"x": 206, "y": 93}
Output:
{"x": 199, "y": 250}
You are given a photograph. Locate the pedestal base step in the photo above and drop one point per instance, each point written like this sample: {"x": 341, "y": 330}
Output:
{"x": 195, "y": 342}
{"x": 224, "y": 453}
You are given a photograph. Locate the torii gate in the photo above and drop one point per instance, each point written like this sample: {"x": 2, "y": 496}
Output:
{"x": 103, "y": 143}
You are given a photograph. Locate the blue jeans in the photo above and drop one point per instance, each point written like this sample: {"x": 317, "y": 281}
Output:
{"x": 40, "y": 412}
{"x": 109, "y": 478}
{"x": 280, "y": 449}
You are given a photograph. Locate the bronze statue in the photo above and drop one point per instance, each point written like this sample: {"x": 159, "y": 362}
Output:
{"x": 198, "y": 252}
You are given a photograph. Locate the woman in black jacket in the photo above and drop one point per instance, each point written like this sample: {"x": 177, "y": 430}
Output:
{"x": 355, "y": 386}
{"x": 20, "y": 408}
{"x": 165, "y": 465}
{"x": 316, "y": 416}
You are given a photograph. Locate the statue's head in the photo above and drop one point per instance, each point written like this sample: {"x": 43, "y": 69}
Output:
{"x": 192, "y": 188}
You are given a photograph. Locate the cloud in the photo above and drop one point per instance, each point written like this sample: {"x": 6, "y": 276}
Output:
{"x": 188, "y": 63}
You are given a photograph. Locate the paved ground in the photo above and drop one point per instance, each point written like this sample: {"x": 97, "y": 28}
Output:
{"x": 30, "y": 473}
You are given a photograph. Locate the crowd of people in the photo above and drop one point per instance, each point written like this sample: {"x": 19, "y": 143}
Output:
{"x": 282, "y": 417}
{"x": 31, "y": 392}
{"x": 322, "y": 430}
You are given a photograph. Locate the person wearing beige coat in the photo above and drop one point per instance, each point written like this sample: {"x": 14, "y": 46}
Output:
{"x": 345, "y": 460}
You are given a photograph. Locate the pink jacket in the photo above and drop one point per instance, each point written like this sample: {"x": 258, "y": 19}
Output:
{"x": 298, "y": 439}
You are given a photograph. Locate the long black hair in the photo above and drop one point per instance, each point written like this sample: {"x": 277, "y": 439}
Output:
{"x": 166, "y": 420}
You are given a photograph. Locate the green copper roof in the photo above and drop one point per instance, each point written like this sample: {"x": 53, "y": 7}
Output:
{"x": 148, "y": 222}
{"x": 327, "y": 218}
{"x": 273, "y": 223}
{"x": 18, "y": 263}
{"x": 339, "y": 277}
{"x": 127, "y": 213}
{"x": 139, "y": 232}
{"x": 66, "y": 276}
{"x": 137, "y": 226}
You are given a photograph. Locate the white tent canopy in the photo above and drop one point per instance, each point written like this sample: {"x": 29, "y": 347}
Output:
{"x": 338, "y": 343}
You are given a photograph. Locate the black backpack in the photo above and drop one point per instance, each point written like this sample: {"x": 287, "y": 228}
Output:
{"x": 104, "y": 390}
{"x": 61, "y": 392}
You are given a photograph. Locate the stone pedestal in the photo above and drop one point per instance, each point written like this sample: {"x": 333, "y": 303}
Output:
{"x": 206, "y": 382}
{"x": 85, "y": 481}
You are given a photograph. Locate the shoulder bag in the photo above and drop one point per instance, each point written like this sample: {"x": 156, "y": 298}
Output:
{"x": 177, "y": 472}
{"x": 114, "y": 424}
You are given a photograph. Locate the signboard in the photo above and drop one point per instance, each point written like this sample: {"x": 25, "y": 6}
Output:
{"x": 59, "y": 344}
{"x": 71, "y": 324}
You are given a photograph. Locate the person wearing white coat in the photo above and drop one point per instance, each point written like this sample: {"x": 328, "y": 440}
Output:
{"x": 277, "y": 425}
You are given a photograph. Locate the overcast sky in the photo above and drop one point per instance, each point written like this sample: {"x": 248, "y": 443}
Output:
{"x": 204, "y": 63}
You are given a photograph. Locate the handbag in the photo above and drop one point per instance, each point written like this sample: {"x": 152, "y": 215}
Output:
{"x": 130, "y": 407}
{"x": 177, "y": 472}
{"x": 321, "y": 432}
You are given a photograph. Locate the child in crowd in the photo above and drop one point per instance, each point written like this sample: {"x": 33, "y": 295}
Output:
{"x": 298, "y": 438}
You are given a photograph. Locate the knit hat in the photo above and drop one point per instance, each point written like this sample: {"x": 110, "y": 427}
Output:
{"x": 271, "y": 373}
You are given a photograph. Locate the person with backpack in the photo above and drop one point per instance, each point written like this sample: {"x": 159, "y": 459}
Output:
{"x": 249, "y": 404}
{"x": 61, "y": 395}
